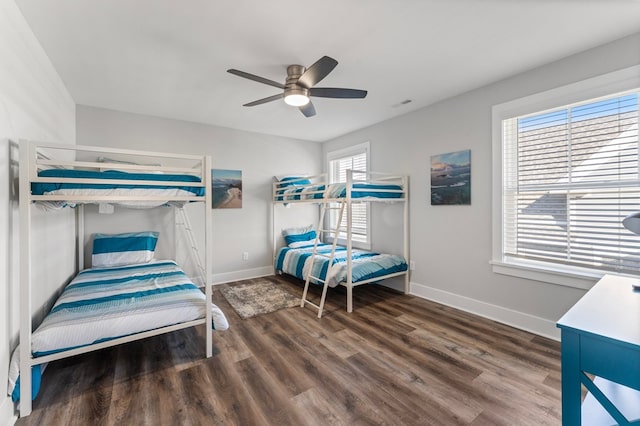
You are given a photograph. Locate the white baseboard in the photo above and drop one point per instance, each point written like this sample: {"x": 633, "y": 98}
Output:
{"x": 244, "y": 274}
{"x": 526, "y": 322}
{"x": 7, "y": 414}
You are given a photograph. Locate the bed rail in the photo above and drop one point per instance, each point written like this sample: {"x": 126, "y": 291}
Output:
{"x": 313, "y": 186}
{"x": 385, "y": 187}
{"x": 43, "y": 156}
{"x": 47, "y": 156}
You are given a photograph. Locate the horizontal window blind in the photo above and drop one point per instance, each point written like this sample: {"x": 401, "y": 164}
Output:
{"x": 359, "y": 213}
{"x": 570, "y": 176}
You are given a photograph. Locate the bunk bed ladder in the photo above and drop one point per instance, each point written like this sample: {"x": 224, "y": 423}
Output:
{"x": 182, "y": 222}
{"x": 320, "y": 232}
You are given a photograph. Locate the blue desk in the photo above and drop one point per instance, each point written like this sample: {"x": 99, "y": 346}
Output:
{"x": 601, "y": 337}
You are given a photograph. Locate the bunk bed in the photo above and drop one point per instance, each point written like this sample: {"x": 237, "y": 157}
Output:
{"x": 306, "y": 254}
{"x": 126, "y": 295}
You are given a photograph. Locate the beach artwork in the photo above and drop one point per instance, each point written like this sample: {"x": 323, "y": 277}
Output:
{"x": 227, "y": 188}
{"x": 451, "y": 178}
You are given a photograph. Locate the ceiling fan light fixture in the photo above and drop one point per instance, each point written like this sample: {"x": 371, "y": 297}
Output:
{"x": 300, "y": 86}
{"x": 296, "y": 98}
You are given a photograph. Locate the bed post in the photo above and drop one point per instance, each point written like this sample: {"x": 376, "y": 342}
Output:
{"x": 27, "y": 153}
{"x": 208, "y": 253}
{"x": 405, "y": 185}
{"x": 349, "y": 242}
{"x": 80, "y": 236}
{"x": 273, "y": 231}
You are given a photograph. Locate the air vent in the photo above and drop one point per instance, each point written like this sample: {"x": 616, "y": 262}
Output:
{"x": 406, "y": 101}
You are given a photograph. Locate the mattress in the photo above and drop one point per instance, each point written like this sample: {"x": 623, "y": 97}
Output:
{"x": 365, "y": 265}
{"x": 111, "y": 187}
{"x": 102, "y": 304}
{"x": 363, "y": 191}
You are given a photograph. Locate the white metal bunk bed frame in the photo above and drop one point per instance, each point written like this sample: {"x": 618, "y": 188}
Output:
{"x": 320, "y": 185}
{"x": 30, "y": 161}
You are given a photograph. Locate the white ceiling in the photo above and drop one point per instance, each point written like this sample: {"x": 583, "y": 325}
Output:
{"x": 168, "y": 58}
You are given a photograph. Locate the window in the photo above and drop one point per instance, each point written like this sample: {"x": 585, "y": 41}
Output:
{"x": 353, "y": 158}
{"x": 569, "y": 175}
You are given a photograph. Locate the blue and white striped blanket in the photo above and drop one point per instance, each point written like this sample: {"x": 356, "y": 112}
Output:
{"x": 365, "y": 191}
{"x": 106, "y": 303}
{"x": 365, "y": 265}
{"x": 112, "y": 188}
{"x": 111, "y": 176}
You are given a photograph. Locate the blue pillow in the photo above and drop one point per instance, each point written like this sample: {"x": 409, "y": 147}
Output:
{"x": 123, "y": 249}
{"x": 296, "y": 235}
{"x": 293, "y": 180}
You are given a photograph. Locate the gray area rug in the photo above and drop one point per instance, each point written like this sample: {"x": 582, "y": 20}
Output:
{"x": 259, "y": 297}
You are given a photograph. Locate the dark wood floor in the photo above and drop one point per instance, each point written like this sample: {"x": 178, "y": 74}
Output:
{"x": 396, "y": 359}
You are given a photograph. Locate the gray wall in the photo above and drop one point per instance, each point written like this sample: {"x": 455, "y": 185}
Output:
{"x": 451, "y": 245}
{"x": 34, "y": 104}
{"x": 260, "y": 157}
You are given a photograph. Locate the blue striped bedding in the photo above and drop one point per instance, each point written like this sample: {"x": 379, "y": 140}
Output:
{"x": 365, "y": 264}
{"x": 101, "y": 304}
{"x": 339, "y": 190}
{"x": 42, "y": 188}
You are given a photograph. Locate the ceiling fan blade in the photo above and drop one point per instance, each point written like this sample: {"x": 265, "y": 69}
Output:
{"x": 308, "y": 110}
{"x": 265, "y": 100}
{"x": 336, "y": 92}
{"x": 316, "y": 72}
{"x": 256, "y": 78}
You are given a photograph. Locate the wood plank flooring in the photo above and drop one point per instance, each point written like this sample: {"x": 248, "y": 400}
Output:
{"x": 396, "y": 359}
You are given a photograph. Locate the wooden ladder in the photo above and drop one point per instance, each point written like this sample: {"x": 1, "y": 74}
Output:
{"x": 319, "y": 236}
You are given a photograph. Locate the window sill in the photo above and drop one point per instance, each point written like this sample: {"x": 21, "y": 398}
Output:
{"x": 548, "y": 273}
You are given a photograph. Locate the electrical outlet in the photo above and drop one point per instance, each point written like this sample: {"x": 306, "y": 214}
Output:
{"x": 412, "y": 265}
{"x": 245, "y": 255}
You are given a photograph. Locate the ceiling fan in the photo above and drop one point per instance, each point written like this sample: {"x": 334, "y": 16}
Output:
{"x": 298, "y": 87}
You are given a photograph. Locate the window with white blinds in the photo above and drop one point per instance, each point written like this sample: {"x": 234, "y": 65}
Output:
{"x": 570, "y": 175}
{"x": 355, "y": 158}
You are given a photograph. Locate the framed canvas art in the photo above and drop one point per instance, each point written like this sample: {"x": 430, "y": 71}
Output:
{"x": 451, "y": 178}
{"x": 227, "y": 189}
